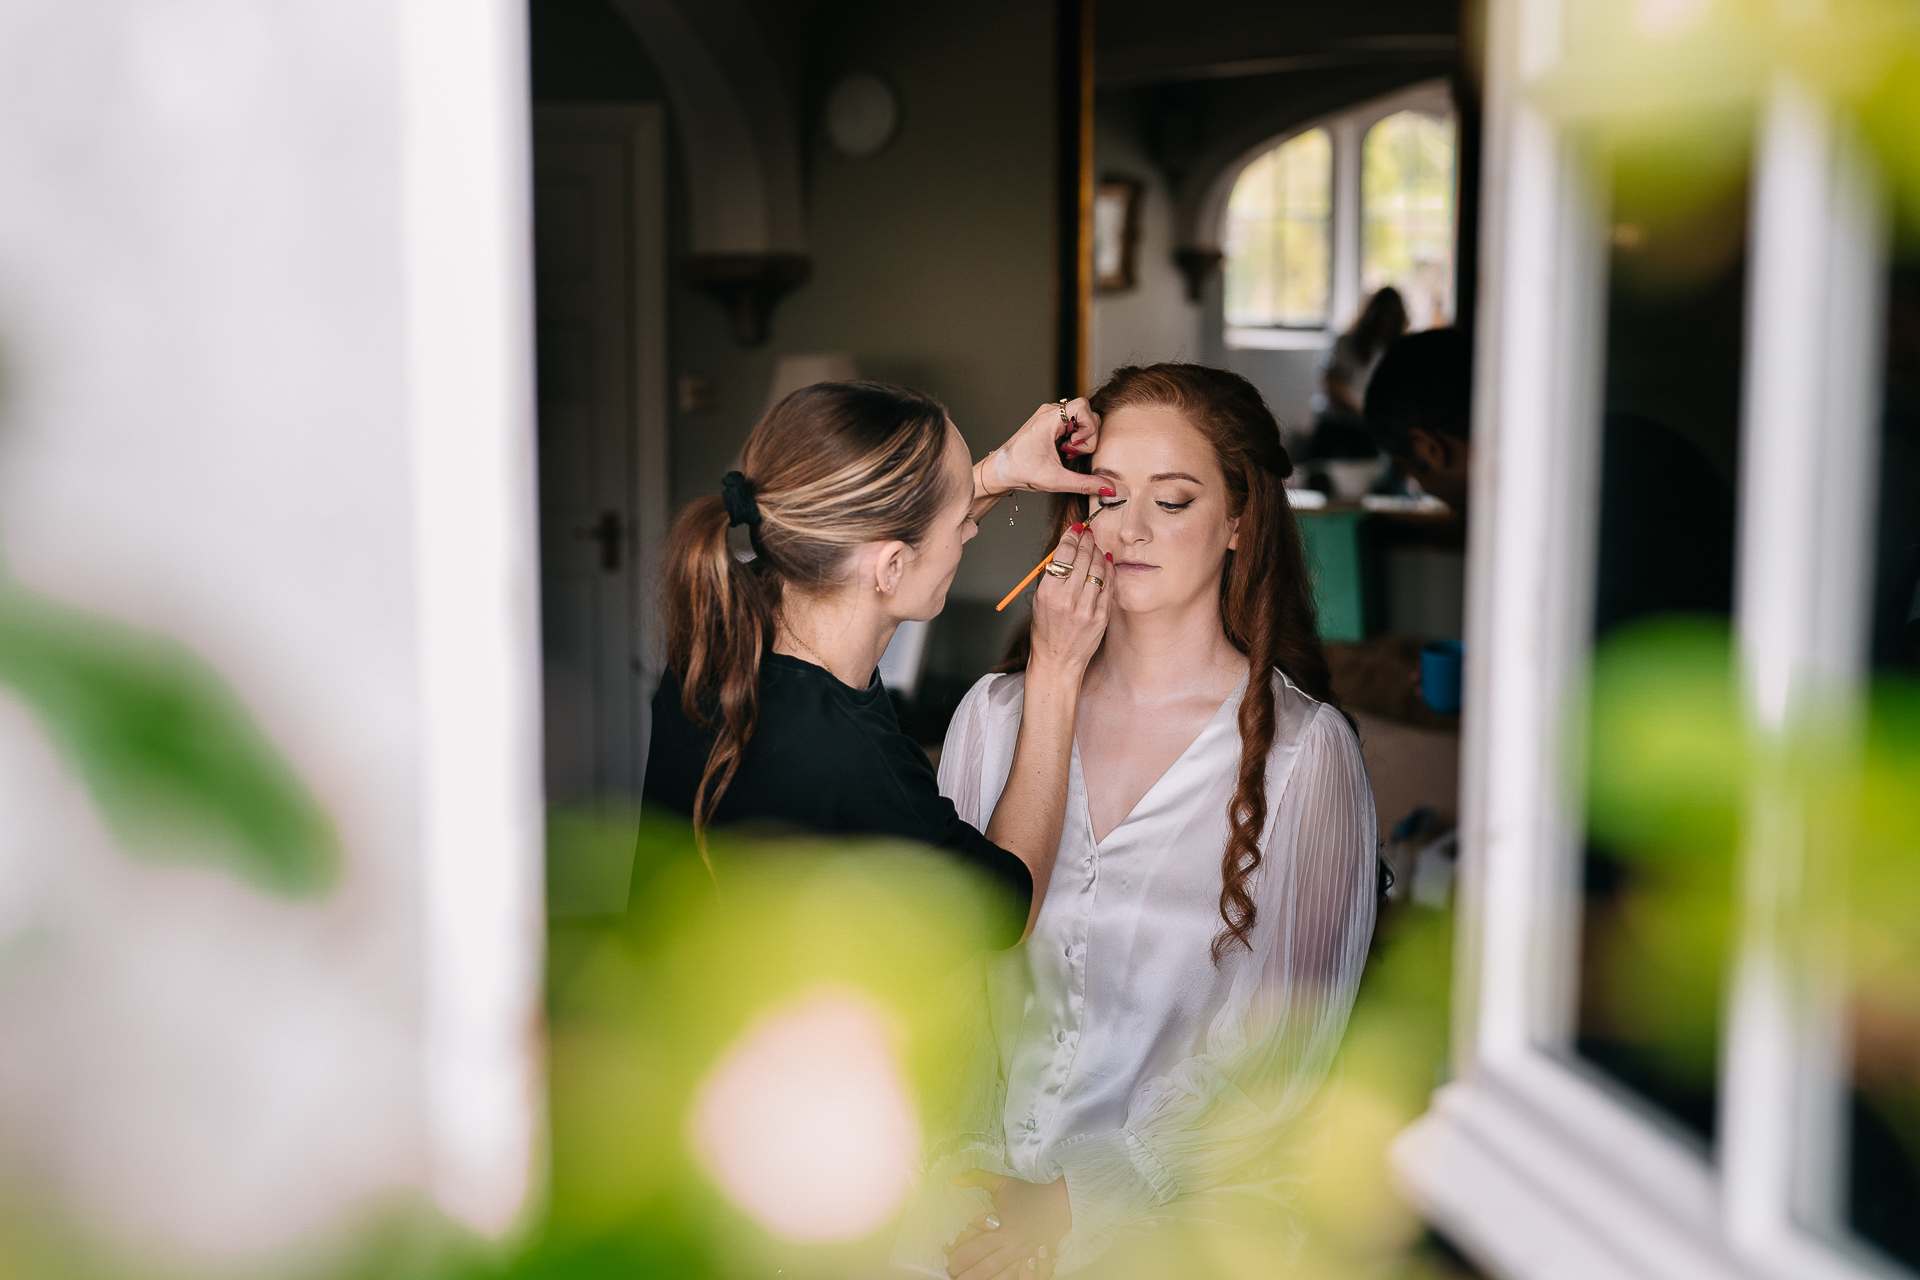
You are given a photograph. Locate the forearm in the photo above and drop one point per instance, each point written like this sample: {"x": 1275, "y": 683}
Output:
{"x": 1033, "y": 806}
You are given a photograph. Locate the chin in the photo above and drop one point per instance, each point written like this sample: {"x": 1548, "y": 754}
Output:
{"x": 1154, "y": 592}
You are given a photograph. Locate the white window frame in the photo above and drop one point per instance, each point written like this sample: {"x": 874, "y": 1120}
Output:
{"x": 1532, "y": 1163}
{"x": 1347, "y": 131}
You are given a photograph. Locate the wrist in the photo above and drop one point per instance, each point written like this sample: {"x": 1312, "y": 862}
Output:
{"x": 1053, "y": 676}
{"x": 989, "y": 479}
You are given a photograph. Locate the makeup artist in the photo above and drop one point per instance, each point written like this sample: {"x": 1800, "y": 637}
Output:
{"x": 856, "y": 498}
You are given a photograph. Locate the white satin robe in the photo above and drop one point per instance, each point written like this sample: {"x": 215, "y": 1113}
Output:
{"x": 1119, "y": 1055}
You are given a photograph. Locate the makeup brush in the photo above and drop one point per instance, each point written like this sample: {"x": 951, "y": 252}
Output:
{"x": 1011, "y": 595}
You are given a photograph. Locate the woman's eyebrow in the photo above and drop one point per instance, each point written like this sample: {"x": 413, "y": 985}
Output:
{"x": 1111, "y": 474}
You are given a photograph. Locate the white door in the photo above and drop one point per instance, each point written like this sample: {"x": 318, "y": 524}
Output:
{"x": 599, "y": 283}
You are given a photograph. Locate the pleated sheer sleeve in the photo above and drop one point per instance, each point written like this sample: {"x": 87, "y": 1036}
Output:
{"x": 1224, "y": 1114}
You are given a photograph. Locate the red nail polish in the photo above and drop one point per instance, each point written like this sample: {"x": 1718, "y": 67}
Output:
{"x": 1077, "y": 527}
{"x": 1109, "y": 557}
{"x": 1106, "y": 492}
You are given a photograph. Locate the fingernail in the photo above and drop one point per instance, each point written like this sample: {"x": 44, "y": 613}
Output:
{"x": 1109, "y": 557}
{"x": 1107, "y": 492}
{"x": 1078, "y": 527}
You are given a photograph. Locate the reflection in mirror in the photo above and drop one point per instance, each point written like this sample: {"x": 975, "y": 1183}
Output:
{"x": 1278, "y": 236}
{"x": 1884, "y": 1106}
{"x": 1658, "y": 864}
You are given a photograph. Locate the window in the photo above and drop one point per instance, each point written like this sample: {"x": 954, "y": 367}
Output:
{"x": 1407, "y": 215}
{"x": 1698, "y": 302}
{"x": 1278, "y": 237}
{"x": 1313, "y": 225}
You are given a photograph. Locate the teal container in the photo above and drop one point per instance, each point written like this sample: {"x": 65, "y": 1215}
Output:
{"x": 1340, "y": 561}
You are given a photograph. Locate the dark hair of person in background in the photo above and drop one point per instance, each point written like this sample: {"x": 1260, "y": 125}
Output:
{"x": 1424, "y": 382}
{"x": 1266, "y": 597}
{"x": 832, "y": 467}
{"x": 1338, "y": 430}
{"x": 1384, "y": 319}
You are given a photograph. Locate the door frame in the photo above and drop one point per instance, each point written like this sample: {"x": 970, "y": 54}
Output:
{"x": 641, "y": 128}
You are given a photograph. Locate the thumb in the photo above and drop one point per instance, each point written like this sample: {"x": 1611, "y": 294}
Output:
{"x": 989, "y": 1182}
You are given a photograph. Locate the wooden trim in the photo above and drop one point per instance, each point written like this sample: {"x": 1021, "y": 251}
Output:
{"x": 1073, "y": 271}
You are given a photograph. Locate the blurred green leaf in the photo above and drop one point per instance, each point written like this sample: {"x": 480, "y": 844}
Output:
{"x": 170, "y": 755}
{"x": 1668, "y": 764}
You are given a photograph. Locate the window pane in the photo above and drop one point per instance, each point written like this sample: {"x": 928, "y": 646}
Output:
{"x": 1277, "y": 236}
{"x": 1883, "y": 1167}
{"x": 1664, "y": 798}
{"x": 1407, "y": 197}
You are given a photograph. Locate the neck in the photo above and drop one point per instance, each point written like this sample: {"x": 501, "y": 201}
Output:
{"x": 842, "y": 632}
{"x": 1167, "y": 654}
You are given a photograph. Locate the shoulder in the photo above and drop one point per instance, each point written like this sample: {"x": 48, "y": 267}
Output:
{"x": 994, "y": 699}
{"x": 1313, "y": 727}
{"x": 812, "y": 720}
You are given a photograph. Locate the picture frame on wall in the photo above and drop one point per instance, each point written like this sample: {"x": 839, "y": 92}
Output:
{"x": 1116, "y": 234}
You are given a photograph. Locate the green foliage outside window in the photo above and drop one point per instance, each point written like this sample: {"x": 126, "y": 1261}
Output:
{"x": 1407, "y": 214}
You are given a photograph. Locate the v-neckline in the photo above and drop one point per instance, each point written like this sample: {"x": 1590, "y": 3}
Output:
{"x": 1086, "y": 796}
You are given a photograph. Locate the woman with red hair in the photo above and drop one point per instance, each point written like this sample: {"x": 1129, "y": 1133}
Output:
{"x": 1164, "y": 1034}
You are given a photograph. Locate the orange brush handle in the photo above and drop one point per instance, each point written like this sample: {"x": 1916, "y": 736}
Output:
{"x": 1045, "y": 561}
{"x": 1023, "y": 582}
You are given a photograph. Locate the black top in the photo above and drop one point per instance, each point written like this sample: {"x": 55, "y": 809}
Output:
{"x": 826, "y": 758}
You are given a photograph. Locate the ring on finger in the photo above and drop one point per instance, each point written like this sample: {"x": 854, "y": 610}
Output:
{"x": 1096, "y": 580}
{"x": 1059, "y": 569}
{"x": 1064, "y": 419}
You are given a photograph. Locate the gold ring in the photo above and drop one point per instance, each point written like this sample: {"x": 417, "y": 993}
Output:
{"x": 1058, "y": 569}
{"x": 1096, "y": 580}
{"x": 1064, "y": 419}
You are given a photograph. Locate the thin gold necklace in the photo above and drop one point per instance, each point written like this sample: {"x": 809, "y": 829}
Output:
{"x": 803, "y": 644}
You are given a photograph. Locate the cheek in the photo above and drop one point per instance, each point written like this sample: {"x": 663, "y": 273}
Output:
{"x": 1200, "y": 545}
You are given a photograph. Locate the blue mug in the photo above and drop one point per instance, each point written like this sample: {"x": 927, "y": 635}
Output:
{"x": 1440, "y": 676}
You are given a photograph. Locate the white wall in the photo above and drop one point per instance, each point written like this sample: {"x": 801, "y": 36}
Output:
{"x": 262, "y": 312}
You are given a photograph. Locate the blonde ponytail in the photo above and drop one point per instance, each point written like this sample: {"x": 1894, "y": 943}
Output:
{"x": 830, "y": 468}
{"x": 719, "y": 623}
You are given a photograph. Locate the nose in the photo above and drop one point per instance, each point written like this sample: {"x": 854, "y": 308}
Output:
{"x": 1132, "y": 526}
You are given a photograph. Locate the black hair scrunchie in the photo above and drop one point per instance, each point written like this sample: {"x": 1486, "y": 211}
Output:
{"x": 741, "y": 508}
